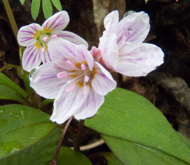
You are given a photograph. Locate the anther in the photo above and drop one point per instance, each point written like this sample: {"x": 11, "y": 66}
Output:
{"x": 44, "y": 38}
{"x": 53, "y": 36}
{"x": 62, "y": 74}
{"x": 83, "y": 67}
{"x": 86, "y": 79}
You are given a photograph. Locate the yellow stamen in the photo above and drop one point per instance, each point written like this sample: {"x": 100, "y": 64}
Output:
{"x": 36, "y": 34}
{"x": 37, "y": 45}
{"x": 73, "y": 76}
{"x": 47, "y": 30}
{"x": 78, "y": 65}
{"x": 80, "y": 84}
{"x": 94, "y": 72}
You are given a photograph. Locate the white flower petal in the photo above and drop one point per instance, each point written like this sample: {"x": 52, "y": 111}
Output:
{"x": 111, "y": 19}
{"x": 62, "y": 50}
{"x": 31, "y": 58}
{"x": 45, "y": 57}
{"x": 67, "y": 104}
{"x": 72, "y": 37}
{"x": 141, "y": 61}
{"x": 102, "y": 82}
{"x": 45, "y": 81}
{"x": 109, "y": 50}
{"x": 57, "y": 22}
{"x": 133, "y": 28}
{"x": 90, "y": 106}
{"x": 27, "y": 34}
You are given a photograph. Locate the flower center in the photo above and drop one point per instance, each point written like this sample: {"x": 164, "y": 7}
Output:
{"x": 80, "y": 75}
{"x": 42, "y": 39}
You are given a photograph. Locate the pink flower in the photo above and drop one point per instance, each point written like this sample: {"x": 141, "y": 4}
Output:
{"x": 36, "y": 37}
{"x": 76, "y": 82}
{"x": 122, "y": 48}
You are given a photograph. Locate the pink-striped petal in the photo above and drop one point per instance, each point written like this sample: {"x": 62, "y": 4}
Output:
{"x": 109, "y": 50}
{"x": 133, "y": 28}
{"x": 72, "y": 37}
{"x": 27, "y": 34}
{"x": 141, "y": 61}
{"x": 111, "y": 20}
{"x": 102, "y": 82}
{"x": 45, "y": 81}
{"x": 45, "y": 57}
{"x": 90, "y": 106}
{"x": 63, "y": 51}
{"x": 57, "y": 22}
{"x": 68, "y": 104}
{"x": 31, "y": 58}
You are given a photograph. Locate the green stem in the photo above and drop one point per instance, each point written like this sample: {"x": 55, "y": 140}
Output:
{"x": 9, "y": 66}
{"x": 11, "y": 17}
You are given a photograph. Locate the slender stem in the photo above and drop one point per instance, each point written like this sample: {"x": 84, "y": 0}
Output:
{"x": 9, "y": 66}
{"x": 54, "y": 161}
{"x": 77, "y": 138}
{"x": 11, "y": 17}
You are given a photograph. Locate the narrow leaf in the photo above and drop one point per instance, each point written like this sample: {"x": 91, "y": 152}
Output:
{"x": 35, "y": 7}
{"x": 22, "y": 1}
{"x": 47, "y": 8}
{"x": 4, "y": 80}
{"x": 57, "y": 4}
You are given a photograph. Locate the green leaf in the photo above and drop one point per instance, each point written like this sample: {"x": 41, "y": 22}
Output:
{"x": 70, "y": 157}
{"x": 139, "y": 154}
{"x": 146, "y": 1}
{"x": 112, "y": 159}
{"x": 130, "y": 117}
{"x": 35, "y": 7}
{"x": 22, "y": 1}
{"x": 4, "y": 80}
{"x": 26, "y": 135}
{"x": 7, "y": 93}
{"x": 57, "y": 4}
{"x": 47, "y": 8}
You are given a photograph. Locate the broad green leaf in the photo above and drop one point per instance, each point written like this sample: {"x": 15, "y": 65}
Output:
{"x": 130, "y": 117}
{"x": 112, "y": 159}
{"x": 47, "y": 8}
{"x": 146, "y": 1}
{"x": 22, "y": 1}
{"x": 57, "y": 4}
{"x": 35, "y": 7}
{"x": 4, "y": 80}
{"x": 134, "y": 153}
{"x": 26, "y": 136}
{"x": 7, "y": 93}
{"x": 69, "y": 157}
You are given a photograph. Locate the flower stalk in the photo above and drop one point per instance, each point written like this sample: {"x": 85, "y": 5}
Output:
{"x": 11, "y": 17}
{"x": 54, "y": 161}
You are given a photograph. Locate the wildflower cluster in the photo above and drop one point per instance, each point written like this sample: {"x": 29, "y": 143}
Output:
{"x": 78, "y": 79}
